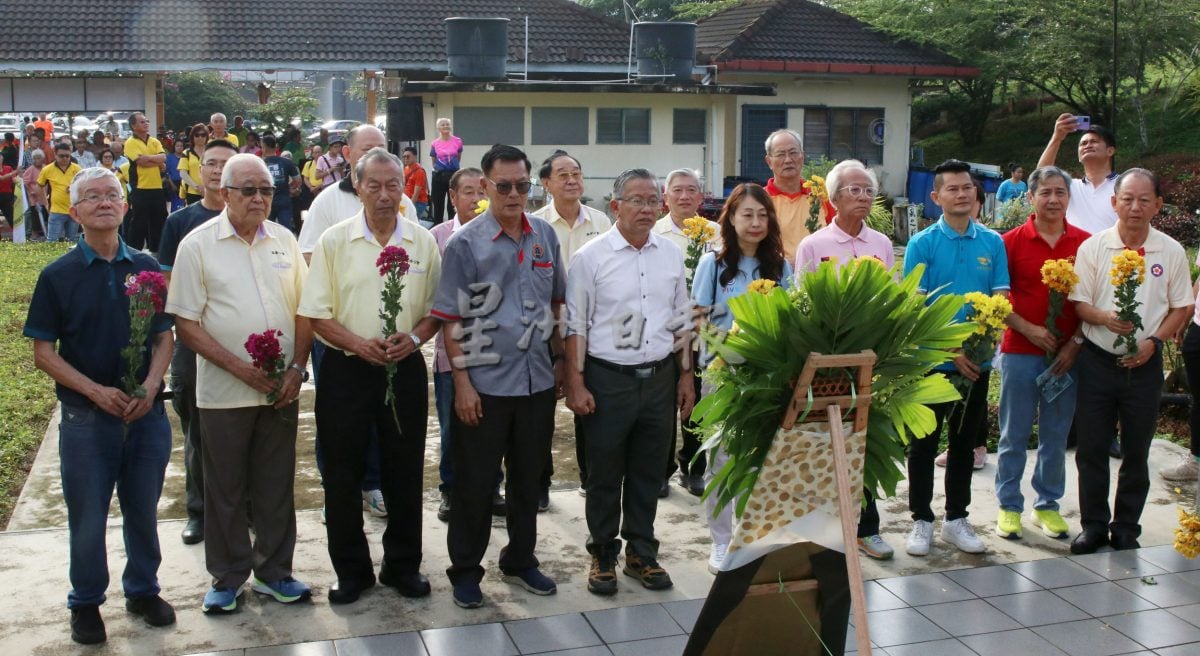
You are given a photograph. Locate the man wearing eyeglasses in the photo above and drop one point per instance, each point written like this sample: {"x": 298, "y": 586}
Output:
{"x": 183, "y": 365}
{"x": 503, "y": 283}
{"x": 785, "y": 157}
{"x": 106, "y": 437}
{"x": 624, "y": 292}
{"x": 146, "y": 196}
{"x": 56, "y": 180}
{"x": 237, "y": 275}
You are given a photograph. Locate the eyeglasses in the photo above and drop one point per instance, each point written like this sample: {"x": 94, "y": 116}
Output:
{"x": 113, "y": 197}
{"x": 64, "y": 155}
{"x": 859, "y": 192}
{"x": 505, "y": 188}
{"x": 265, "y": 192}
{"x": 641, "y": 203}
{"x": 794, "y": 154}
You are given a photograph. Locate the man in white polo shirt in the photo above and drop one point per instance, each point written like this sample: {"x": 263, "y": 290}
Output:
{"x": 1091, "y": 205}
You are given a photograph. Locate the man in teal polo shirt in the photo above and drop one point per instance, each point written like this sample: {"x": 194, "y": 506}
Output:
{"x": 960, "y": 256}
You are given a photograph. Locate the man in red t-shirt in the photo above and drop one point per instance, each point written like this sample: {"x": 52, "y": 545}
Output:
{"x": 1036, "y": 378}
{"x": 416, "y": 185}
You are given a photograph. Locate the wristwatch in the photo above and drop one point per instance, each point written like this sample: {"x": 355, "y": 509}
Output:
{"x": 1158, "y": 343}
{"x": 416, "y": 340}
{"x": 303, "y": 372}
{"x": 1078, "y": 339}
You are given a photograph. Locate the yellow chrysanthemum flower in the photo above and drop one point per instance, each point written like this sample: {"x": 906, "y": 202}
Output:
{"x": 761, "y": 286}
{"x": 696, "y": 228}
{"x": 482, "y": 206}
{"x": 1128, "y": 265}
{"x": 1059, "y": 276}
{"x": 988, "y": 312}
{"x": 1187, "y": 536}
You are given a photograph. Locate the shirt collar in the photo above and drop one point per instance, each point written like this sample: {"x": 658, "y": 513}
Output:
{"x": 90, "y": 255}
{"x": 1112, "y": 240}
{"x": 552, "y": 215}
{"x": 526, "y": 226}
{"x": 776, "y": 191}
{"x": 226, "y": 230}
{"x": 366, "y": 234}
{"x": 843, "y": 237}
{"x": 666, "y": 225}
{"x": 617, "y": 241}
{"x": 972, "y": 230}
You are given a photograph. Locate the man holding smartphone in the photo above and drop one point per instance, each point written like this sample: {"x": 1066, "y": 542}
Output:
{"x": 1091, "y": 196}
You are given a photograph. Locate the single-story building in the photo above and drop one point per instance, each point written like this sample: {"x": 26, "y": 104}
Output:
{"x": 570, "y": 80}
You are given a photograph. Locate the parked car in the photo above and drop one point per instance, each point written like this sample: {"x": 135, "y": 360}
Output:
{"x": 337, "y": 129}
{"x": 10, "y": 123}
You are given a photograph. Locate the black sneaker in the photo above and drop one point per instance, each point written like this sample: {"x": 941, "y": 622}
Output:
{"x": 154, "y": 610}
{"x": 87, "y": 628}
{"x": 648, "y": 571}
{"x": 665, "y": 489}
{"x": 695, "y": 484}
{"x": 444, "y": 508}
{"x": 499, "y": 505}
{"x": 544, "y": 501}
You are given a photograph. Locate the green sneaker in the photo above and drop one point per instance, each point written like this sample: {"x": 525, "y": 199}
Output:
{"x": 1052, "y": 523}
{"x": 1008, "y": 524}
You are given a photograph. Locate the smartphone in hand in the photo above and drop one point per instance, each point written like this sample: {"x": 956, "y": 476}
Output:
{"x": 1083, "y": 123}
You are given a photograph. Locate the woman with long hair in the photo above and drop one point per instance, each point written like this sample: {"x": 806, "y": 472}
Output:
{"x": 189, "y": 164}
{"x": 751, "y": 249}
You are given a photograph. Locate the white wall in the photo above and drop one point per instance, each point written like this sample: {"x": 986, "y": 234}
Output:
{"x": 890, "y": 93}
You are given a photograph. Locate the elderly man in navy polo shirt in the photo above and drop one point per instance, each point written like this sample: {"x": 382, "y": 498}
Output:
{"x": 106, "y": 437}
{"x": 960, "y": 256}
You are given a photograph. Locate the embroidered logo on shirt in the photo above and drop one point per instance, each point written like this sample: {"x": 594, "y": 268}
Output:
{"x": 985, "y": 262}
{"x": 1157, "y": 270}
{"x": 538, "y": 251}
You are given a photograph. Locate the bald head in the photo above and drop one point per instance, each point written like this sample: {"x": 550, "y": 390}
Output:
{"x": 362, "y": 140}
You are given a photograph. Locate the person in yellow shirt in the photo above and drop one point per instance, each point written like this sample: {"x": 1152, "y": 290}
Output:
{"x": 785, "y": 157}
{"x": 147, "y": 200}
{"x": 342, "y": 298}
{"x": 309, "y": 175}
{"x": 189, "y": 164}
{"x": 56, "y": 178}
{"x": 217, "y": 124}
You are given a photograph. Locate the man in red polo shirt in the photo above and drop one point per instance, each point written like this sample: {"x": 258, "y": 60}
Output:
{"x": 1030, "y": 350}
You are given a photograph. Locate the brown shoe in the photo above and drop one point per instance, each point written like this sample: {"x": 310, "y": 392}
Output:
{"x": 648, "y": 571}
{"x": 602, "y": 580}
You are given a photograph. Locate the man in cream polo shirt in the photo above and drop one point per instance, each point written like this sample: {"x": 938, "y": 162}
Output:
{"x": 236, "y": 275}
{"x": 342, "y": 298}
{"x": 1115, "y": 383}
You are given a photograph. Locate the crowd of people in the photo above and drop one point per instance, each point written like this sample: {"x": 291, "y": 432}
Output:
{"x": 525, "y": 309}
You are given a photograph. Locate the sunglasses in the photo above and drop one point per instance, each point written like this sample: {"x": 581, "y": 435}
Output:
{"x": 265, "y": 192}
{"x": 505, "y": 188}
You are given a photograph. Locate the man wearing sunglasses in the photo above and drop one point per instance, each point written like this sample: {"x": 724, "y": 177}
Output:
{"x": 56, "y": 179}
{"x": 234, "y": 276}
{"x": 507, "y": 269}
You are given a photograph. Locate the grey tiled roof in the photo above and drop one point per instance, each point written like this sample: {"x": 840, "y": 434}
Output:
{"x": 803, "y": 31}
{"x": 140, "y": 34}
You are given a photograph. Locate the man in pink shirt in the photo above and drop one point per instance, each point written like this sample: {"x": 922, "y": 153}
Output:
{"x": 852, "y": 188}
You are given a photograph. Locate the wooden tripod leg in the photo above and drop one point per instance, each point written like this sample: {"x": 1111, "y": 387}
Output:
{"x": 849, "y": 515}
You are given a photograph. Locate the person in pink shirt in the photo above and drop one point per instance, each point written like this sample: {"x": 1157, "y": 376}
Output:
{"x": 446, "y": 152}
{"x": 852, "y": 188}
{"x": 35, "y": 196}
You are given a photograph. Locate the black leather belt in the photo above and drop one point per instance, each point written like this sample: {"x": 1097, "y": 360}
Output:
{"x": 1100, "y": 350}
{"x": 646, "y": 370}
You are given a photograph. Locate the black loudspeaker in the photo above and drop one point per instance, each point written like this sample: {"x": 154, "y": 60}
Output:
{"x": 405, "y": 119}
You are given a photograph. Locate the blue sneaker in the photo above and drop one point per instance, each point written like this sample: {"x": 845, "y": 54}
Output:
{"x": 468, "y": 595}
{"x": 221, "y": 600}
{"x": 533, "y": 581}
{"x": 285, "y": 590}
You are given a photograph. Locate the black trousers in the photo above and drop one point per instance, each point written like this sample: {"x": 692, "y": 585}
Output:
{"x": 183, "y": 399}
{"x": 690, "y": 443}
{"x": 350, "y": 403}
{"x": 967, "y": 421}
{"x": 628, "y": 439}
{"x": 1110, "y": 394}
{"x": 1191, "y": 364}
{"x": 148, "y": 213}
{"x": 516, "y": 430}
{"x": 439, "y": 194}
{"x": 7, "y": 200}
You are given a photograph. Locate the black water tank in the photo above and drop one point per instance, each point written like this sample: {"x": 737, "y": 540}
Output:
{"x": 477, "y": 48}
{"x": 665, "y": 48}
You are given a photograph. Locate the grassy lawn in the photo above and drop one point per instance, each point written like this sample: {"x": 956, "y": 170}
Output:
{"x": 26, "y": 394}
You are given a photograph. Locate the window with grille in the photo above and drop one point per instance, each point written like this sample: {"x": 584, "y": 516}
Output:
{"x": 622, "y": 126}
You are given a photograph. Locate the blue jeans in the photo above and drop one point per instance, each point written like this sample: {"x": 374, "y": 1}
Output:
{"x": 1020, "y": 404}
{"x": 281, "y": 210}
{"x": 95, "y": 455}
{"x": 371, "y": 477}
{"x": 62, "y": 226}
{"x": 443, "y": 393}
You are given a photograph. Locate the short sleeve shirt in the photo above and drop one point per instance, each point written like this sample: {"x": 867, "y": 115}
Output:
{"x": 974, "y": 261}
{"x": 525, "y": 278}
{"x": 282, "y": 172}
{"x": 190, "y": 162}
{"x": 343, "y": 283}
{"x": 1167, "y": 285}
{"x": 148, "y": 177}
{"x": 707, "y": 290}
{"x": 334, "y": 205}
{"x": 414, "y": 176}
{"x": 792, "y": 211}
{"x": 833, "y": 243}
{"x": 234, "y": 289}
{"x": 60, "y": 185}
{"x": 666, "y": 228}
{"x": 1091, "y": 206}
{"x": 79, "y": 303}
{"x": 1030, "y": 297}
{"x": 179, "y": 224}
{"x": 590, "y": 224}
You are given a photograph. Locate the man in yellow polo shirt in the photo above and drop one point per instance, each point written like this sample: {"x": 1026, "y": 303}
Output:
{"x": 342, "y": 297}
{"x": 147, "y": 200}
{"x": 785, "y": 157}
{"x": 57, "y": 179}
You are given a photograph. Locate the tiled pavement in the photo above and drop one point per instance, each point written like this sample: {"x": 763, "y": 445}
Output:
{"x": 1132, "y": 602}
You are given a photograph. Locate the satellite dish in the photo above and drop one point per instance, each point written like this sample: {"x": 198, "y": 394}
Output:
{"x": 877, "y": 129}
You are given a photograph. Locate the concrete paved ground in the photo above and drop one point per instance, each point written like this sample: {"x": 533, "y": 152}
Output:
{"x": 35, "y": 570}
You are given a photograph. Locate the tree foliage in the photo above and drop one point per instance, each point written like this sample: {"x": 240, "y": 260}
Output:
{"x": 285, "y": 106}
{"x": 658, "y": 10}
{"x": 190, "y": 98}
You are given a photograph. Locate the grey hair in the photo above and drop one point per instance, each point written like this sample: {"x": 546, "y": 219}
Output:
{"x": 441, "y": 119}
{"x": 87, "y": 175}
{"x": 1144, "y": 173}
{"x": 629, "y": 175}
{"x": 795, "y": 135}
{"x": 684, "y": 173}
{"x": 1044, "y": 173}
{"x": 235, "y": 163}
{"x": 38, "y": 154}
{"x": 372, "y": 155}
{"x": 216, "y": 114}
{"x": 833, "y": 179}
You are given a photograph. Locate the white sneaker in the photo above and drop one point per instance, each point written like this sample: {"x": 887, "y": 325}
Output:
{"x": 716, "y": 556}
{"x": 960, "y": 534}
{"x": 920, "y": 538}
{"x": 373, "y": 503}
